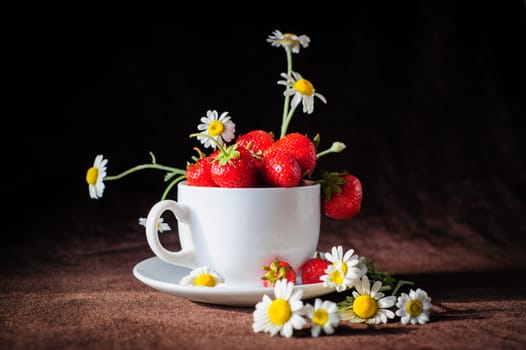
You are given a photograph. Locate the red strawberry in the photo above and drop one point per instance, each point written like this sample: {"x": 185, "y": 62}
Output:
{"x": 342, "y": 195}
{"x": 198, "y": 173}
{"x": 313, "y": 269}
{"x": 301, "y": 147}
{"x": 234, "y": 167}
{"x": 279, "y": 168}
{"x": 256, "y": 141}
{"x": 278, "y": 270}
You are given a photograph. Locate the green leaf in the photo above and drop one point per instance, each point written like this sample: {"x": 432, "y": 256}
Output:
{"x": 345, "y": 304}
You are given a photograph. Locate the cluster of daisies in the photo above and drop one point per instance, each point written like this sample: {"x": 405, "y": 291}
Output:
{"x": 368, "y": 304}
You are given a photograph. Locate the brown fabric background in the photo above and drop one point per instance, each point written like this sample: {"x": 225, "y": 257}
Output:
{"x": 428, "y": 96}
{"x": 71, "y": 286}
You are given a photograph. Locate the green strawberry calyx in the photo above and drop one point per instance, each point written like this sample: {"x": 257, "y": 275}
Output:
{"x": 331, "y": 182}
{"x": 275, "y": 271}
{"x": 226, "y": 154}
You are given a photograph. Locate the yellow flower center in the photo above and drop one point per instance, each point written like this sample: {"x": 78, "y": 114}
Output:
{"x": 279, "y": 311}
{"x": 336, "y": 277}
{"x": 288, "y": 40}
{"x": 414, "y": 308}
{"x": 364, "y": 306}
{"x": 344, "y": 267}
{"x": 205, "y": 280}
{"x": 320, "y": 317}
{"x": 216, "y": 128}
{"x": 92, "y": 175}
{"x": 304, "y": 87}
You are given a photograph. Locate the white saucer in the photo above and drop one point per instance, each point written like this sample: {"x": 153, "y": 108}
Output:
{"x": 165, "y": 277}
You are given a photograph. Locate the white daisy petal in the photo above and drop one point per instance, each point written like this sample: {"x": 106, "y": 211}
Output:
{"x": 387, "y": 312}
{"x": 386, "y": 302}
{"x": 296, "y": 75}
{"x": 320, "y": 96}
{"x": 366, "y": 286}
{"x": 348, "y": 254}
{"x": 408, "y": 320}
{"x": 315, "y": 331}
{"x": 328, "y": 329}
{"x": 296, "y": 305}
{"x": 376, "y": 288}
{"x": 378, "y": 295}
{"x": 354, "y": 273}
{"x": 295, "y": 100}
{"x": 297, "y": 321}
{"x": 286, "y": 330}
{"x": 92, "y": 192}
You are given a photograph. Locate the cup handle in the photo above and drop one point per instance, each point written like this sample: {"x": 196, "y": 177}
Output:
{"x": 183, "y": 257}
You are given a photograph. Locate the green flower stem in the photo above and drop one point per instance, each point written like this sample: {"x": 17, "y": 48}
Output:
{"x": 223, "y": 150}
{"x": 171, "y": 185}
{"x": 288, "y": 51}
{"x": 286, "y": 114}
{"x": 400, "y": 284}
{"x": 286, "y": 121}
{"x": 143, "y": 167}
{"x": 336, "y": 147}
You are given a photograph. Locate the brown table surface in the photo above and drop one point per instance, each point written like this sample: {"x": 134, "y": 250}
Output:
{"x": 67, "y": 282}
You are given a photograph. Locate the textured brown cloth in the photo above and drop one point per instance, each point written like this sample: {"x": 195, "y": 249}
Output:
{"x": 70, "y": 285}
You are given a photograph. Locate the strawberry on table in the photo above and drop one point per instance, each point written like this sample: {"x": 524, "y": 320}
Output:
{"x": 313, "y": 269}
{"x": 342, "y": 195}
{"x": 277, "y": 270}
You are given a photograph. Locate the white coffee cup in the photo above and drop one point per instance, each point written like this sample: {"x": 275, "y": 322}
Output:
{"x": 237, "y": 231}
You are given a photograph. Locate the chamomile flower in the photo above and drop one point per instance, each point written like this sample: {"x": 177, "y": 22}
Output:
{"x": 288, "y": 40}
{"x": 95, "y": 175}
{"x": 202, "y": 277}
{"x": 282, "y": 314}
{"x": 323, "y": 315}
{"x": 302, "y": 91}
{"x": 161, "y": 225}
{"x": 220, "y": 128}
{"x": 345, "y": 269}
{"x": 335, "y": 277}
{"x": 370, "y": 305}
{"x": 414, "y": 307}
